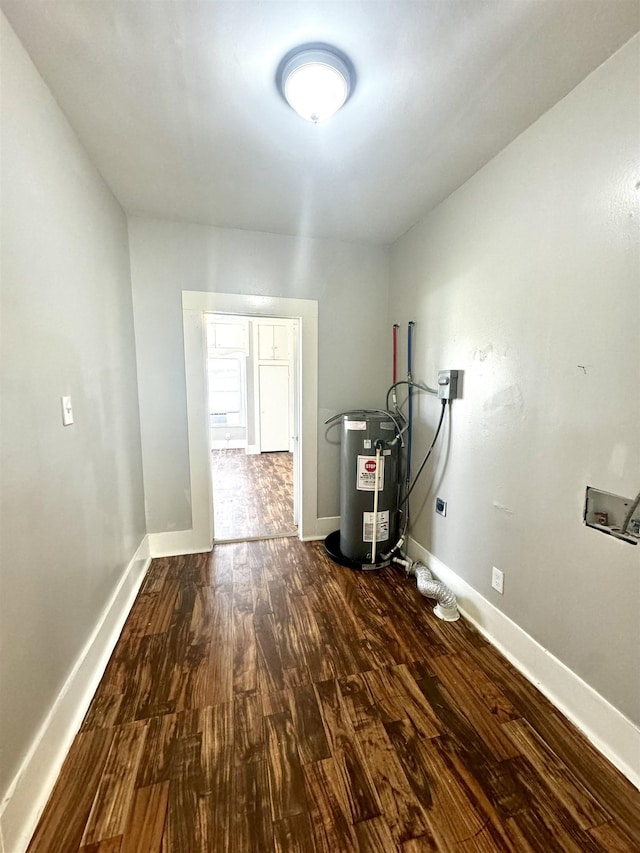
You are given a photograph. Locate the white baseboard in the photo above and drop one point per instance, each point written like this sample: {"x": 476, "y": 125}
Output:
{"x": 613, "y": 734}
{"x": 324, "y": 527}
{"x": 253, "y": 449}
{"x": 173, "y": 543}
{"x": 30, "y": 789}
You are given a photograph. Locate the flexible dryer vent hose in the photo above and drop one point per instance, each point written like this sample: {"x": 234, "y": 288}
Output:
{"x": 447, "y": 606}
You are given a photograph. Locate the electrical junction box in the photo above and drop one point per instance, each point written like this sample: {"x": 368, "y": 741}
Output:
{"x": 448, "y": 384}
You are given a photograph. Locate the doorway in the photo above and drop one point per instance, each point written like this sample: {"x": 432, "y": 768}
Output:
{"x": 195, "y": 303}
{"x": 253, "y": 413}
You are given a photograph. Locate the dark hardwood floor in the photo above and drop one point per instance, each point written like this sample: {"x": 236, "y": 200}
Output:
{"x": 262, "y": 698}
{"x": 252, "y": 494}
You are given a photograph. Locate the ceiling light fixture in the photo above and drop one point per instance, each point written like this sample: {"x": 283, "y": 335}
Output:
{"x": 315, "y": 80}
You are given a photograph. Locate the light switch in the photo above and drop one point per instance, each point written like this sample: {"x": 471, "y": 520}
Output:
{"x": 67, "y": 411}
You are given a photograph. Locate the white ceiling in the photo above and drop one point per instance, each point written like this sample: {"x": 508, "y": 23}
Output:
{"x": 176, "y": 101}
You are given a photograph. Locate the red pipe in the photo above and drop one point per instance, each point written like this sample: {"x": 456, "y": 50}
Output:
{"x": 395, "y": 353}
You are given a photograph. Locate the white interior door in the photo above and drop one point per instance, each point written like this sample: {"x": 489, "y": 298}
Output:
{"x": 274, "y": 407}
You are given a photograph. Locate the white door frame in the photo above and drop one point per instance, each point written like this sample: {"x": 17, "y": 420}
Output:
{"x": 194, "y": 306}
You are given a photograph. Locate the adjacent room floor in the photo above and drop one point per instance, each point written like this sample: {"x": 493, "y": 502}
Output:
{"x": 252, "y": 494}
{"x": 262, "y": 698}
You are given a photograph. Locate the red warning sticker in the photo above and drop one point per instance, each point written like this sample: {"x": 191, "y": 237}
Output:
{"x": 366, "y": 474}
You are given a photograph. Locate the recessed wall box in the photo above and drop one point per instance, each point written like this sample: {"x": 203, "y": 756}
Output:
{"x": 606, "y": 512}
{"x": 447, "y": 384}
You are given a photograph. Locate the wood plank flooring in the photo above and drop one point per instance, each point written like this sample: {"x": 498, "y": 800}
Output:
{"x": 252, "y": 494}
{"x": 262, "y": 698}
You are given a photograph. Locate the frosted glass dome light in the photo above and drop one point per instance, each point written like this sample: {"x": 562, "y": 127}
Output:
{"x": 315, "y": 82}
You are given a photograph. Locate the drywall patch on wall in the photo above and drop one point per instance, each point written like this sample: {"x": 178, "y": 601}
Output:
{"x": 618, "y": 461}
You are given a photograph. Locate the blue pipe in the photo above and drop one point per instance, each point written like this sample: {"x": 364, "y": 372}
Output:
{"x": 410, "y": 399}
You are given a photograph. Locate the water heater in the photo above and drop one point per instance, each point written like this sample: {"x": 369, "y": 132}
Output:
{"x": 363, "y": 435}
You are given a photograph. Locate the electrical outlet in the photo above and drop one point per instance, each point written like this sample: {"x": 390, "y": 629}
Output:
{"x": 441, "y": 506}
{"x": 497, "y": 580}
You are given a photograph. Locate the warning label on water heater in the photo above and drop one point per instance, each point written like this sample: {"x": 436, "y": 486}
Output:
{"x": 366, "y": 474}
{"x": 382, "y": 532}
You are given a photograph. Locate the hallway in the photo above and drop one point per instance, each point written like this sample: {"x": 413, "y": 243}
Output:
{"x": 262, "y": 698}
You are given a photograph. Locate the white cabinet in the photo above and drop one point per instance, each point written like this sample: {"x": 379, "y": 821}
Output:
{"x": 228, "y": 336}
{"x": 273, "y": 342}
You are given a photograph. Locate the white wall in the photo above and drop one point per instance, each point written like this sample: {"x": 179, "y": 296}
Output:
{"x": 528, "y": 279}
{"x": 350, "y": 284}
{"x": 72, "y": 505}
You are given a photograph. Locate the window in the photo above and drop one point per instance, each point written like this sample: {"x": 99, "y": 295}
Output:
{"x": 226, "y": 389}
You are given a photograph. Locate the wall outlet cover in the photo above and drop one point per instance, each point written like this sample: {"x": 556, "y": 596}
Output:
{"x": 497, "y": 580}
